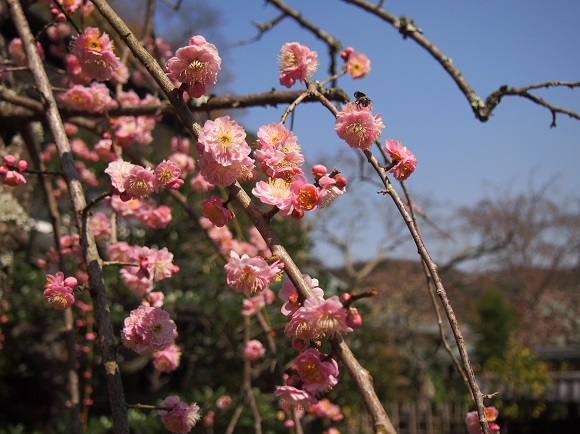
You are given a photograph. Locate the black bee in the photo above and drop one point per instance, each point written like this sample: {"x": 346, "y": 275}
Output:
{"x": 362, "y": 99}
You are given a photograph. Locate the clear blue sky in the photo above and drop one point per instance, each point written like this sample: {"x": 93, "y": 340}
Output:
{"x": 460, "y": 159}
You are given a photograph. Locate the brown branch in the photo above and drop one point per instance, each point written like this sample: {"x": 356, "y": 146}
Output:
{"x": 481, "y": 109}
{"x": 106, "y": 335}
{"x": 358, "y": 374}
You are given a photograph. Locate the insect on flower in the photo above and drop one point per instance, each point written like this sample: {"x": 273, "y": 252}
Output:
{"x": 362, "y": 99}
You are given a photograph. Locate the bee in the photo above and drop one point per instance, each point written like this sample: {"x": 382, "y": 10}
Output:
{"x": 362, "y": 99}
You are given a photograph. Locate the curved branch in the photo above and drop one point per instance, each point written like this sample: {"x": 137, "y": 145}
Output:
{"x": 481, "y": 109}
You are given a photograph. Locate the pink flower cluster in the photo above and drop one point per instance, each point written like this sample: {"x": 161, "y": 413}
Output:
{"x": 10, "y": 171}
{"x": 254, "y": 304}
{"x": 296, "y": 62}
{"x": 327, "y": 410}
{"x": 472, "y": 421}
{"x": 287, "y": 188}
{"x": 167, "y": 360}
{"x": 58, "y": 291}
{"x": 180, "y": 418}
{"x": 195, "y": 66}
{"x": 148, "y": 329}
{"x": 404, "y": 162}
{"x": 216, "y": 211}
{"x": 95, "y": 98}
{"x": 316, "y": 317}
{"x": 94, "y": 52}
{"x": 357, "y": 126}
{"x": 150, "y": 265}
{"x": 225, "y": 155}
{"x": 317, "y": 371}
{"x": 16, "y": 51}
{"x": 357, "y": 64}
{"x": 131, "y": 181}
{"x": 147, "y": 212}
{"x": 248, "y": 275}
{"x": 254, "y": 350}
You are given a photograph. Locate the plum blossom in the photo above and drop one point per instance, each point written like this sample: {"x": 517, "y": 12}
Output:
{"x": 404, "y": 162}
{"x": 245, "y": 274}
{"x": 95, "y": 98}
{"x": 318, "y": 318}
{"x": 195, "y": 65}
{"x": 181, "y": 418}
{"x": 223, "y": 402}
{"x": 224, "y": 140}
{"x": 58, "y": 291}
{"x": 148, "y": 329}
{"x": 214, "y": 209}
{"x": 472, "y": 421}
{"x": 317, "y": 371}
{"x": 16, "y": 51}
{"x": 167, "y": 175}
{"x": 10, "y": 171}
{"x": 357, "y": 65}
{"x": 94, "y": 51}
{"x": 167, "y": 360}
{"x": 292, "y": 397}
{"x": 289, "y": 294}
{"x": 254, "y": 350}
{"x": 326, "y": 409}
{"x": 357, "y": 126}
{"x": 296, "y": 62}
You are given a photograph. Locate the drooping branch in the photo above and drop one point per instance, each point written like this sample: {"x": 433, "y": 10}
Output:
{"x": 480, "y": 107}
{"x": 106, "y": 337}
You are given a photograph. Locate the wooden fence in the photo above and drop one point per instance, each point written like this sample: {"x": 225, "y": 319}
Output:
{"x": 420, "y": 418}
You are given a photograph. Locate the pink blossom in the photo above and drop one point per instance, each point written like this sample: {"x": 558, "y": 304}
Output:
{"x": 326, "y": 409}
{"x": 95, "y": 98}
{"x": 139, "y": 182}
{"x": 353, "y": 318}
{"x": 257, "y": 240}
{"x": 356, "y": 125}
{"x": 296, "y": 62}
{"x": 275, "y": 192}
{"x": 318, "y": 318}
{"x": 195, "y": 65}
{"x": 291, "y": 397}
{"x": 70, "y": 5}
{"x": 140, "y": 285}
{"x": 133, "y": 129}
{"x": 214, "y": 209}
{"x": 10, "y": 171}
{"x": 58, "y": 291}
{"x": 330, "y": 188}
{"x": 253, "y": 306}
{"x": 16, "y": 51}
{"x": 223, "y": 402}
{"x": 404, "y": 162}
{"x": 167, "y": 360}
{"x": 225, "y": 175}
{"x": 118, "y": 170}
{"x": 74, "y": 71}
{"x": 199, "y": 184}
{"x": 100, "y": 226}
{"x": 160, "y": 264}
{"x": 472, "y": 421}
{"x": 95, "y": 54}
{"x": 224, "y": 140}
{"x": 317, "y": 371}
{"x": 289, "y": 294}
{"x": 249, "y": 275}
{"x": 185, "y": 163}
{"x": 254, "y": 350}
{"x": 148, "y": 329}
{"x": 358, "y": 65}
{"x": 181, "y": 418}
{"x": 155, "y": 218}
{"x": 305, "y": 196}
{"x": 167, "y": 175}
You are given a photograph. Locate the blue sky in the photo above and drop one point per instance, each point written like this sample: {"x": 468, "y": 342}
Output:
{"x": 460, "y": 160}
